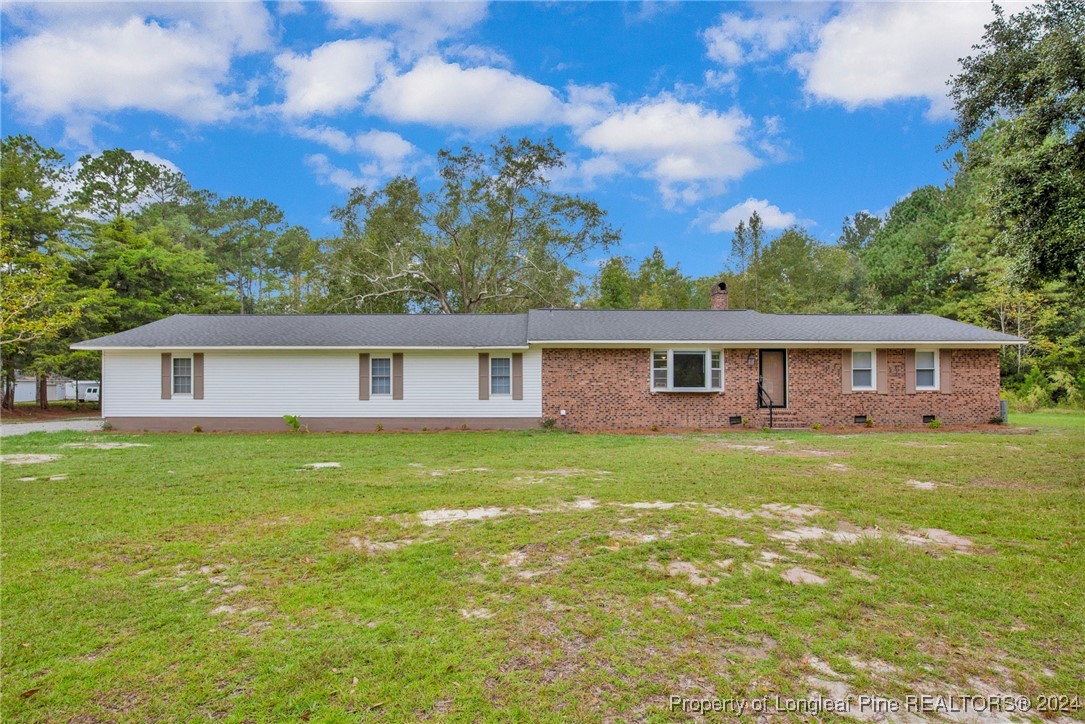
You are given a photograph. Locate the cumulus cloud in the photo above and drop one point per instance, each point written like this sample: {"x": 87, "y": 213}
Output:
{"x": 770, "y": 214}
{"x": 333, "y": 77}
{"x": 384, "y": 154}
{"x": 79, "y": 61}
{"x": 738, "y": 39}
{"x": 447, "y": 94}
{"x": 688, "y": 149}
{"x": 416, "y": 26}
{"x": 871, "y": 53}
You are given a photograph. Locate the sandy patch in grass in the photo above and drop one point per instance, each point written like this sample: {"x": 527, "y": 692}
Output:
{"x": 921, "y": 484}
{"x": 940, "y": 538}
{"x": 805, "y": 533}
{"x": 690, "y": 571}
{"x": 320, "y": 466}
{"x": 28, "y": 459}
{"x": 798, "y": 576}
{"x": 838, "y": 467}
{"x": 376, "y": 547}
{"x": 794, "y": 513}
{"x": 730, "y": 512}
{"x": 26, "y": 480}
{"x": 437, "y": 517}
{"x": 658, "y": 505}
{"x": 476, "y": 613}
{"x": 104, "y": 445}
{"x": 774, "y": 449}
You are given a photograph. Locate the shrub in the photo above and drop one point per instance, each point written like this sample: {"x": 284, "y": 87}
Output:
{"x": 463, "y": 426}
{"x": 654, "y": 428}
{"x": 869, "y": 422}
{"x": 997, "y": 420}
{"x": 425, "y": 429}
{"x": 197, "y": 428}
{"x": 107, "y": 426}
{"x": 934, "y": 424}
{"x": 380, "y": 427}
{"x": 548, "y": 423}
{"x": 292, "y": 422}
{"x": 816, "y": 426}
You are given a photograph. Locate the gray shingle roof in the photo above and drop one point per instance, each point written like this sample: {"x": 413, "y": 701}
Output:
{"x": 742, "y": 325}
{"x": 542, "y": 325}
{"x": 324, "y": 330}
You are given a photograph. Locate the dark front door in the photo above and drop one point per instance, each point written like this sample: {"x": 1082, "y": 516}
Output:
{"x": 773, "y": 378}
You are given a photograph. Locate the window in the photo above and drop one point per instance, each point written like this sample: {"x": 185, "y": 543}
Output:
{"x": 381, "y": 375}
{"x": 862, "y": 370}
{"x": 926, "y": 370}
{"x": 182, "y": 375}
{"x": 500, "y": 376}
{"x": 660, "y": 370}
{"x": 687, "y": 370}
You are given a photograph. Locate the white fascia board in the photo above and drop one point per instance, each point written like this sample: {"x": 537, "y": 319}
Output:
{"x": 295, "y": 348}
{"x": 774, "y": 344}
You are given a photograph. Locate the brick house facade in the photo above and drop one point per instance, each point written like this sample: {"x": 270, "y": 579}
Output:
{"x": 610, "y": 389}
{"x": 585, "y": 369}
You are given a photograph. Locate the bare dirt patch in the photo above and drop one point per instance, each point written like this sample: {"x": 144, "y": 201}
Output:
{"x": 321, "y": 466}
{"x": 28, "y": 458}
{"x": 774, "y": 448}
{"x": 691, "y": 572}
{"x": 437, "y": 517}
{"x": 921, "y": 484}
{"x": 798, "y": 576}
{"x": 476, "y": 613}
{"x": 104, "y": 445}
{"x": 373, "y": 547}
{"x": 940, "y": 538}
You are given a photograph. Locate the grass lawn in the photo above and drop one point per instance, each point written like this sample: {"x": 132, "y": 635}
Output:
{"x": 583, "y": 576}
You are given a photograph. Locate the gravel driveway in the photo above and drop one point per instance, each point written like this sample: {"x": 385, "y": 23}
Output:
{"x": 79, "y": 424}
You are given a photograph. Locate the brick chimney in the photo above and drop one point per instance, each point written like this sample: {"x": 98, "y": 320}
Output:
{"x": 719, "y": 295}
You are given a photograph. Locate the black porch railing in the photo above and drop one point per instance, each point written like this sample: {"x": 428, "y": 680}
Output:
{"x": 762, "y": 396}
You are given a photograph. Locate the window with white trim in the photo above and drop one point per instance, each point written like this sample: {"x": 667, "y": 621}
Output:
{"x": 182, "y": 375}
{"x": 926, "y": 370}
{"x": 687, "y": 370}
{"x": 500, "y": 375}
{"x": 862, "y": 370}
{"x": 380, "y": 375}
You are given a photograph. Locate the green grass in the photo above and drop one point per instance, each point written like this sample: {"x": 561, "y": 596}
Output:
{"x": 112, "y": 576}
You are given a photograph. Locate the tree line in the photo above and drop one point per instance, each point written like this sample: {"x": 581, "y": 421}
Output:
{"x": 114, "y": 241}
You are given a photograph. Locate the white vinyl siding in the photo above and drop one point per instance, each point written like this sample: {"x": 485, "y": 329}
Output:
{"x": 863, "y": 370}
{"x": 687, "y": 370}
{"x": 182, "y": 375}
{"x": 926, "y": 370}
{"x": 314, "y": 383}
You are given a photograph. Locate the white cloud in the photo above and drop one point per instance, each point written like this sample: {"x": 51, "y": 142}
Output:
{"x": 688, "y": 149}
{"x": 739, "y": 39}
{"x": 155, "y": 159}
{"x": 79, "y": 61}
{"x": 446, "y": 94}
{"x": 330, "y": 175}
{"x": 583, "y": 175}
{"x": 871, "y": 53}
{"x": 333, "y": 77}
{"x": 771, "y": 216}
{"x": 385, "y": 154}
{"x": 417, "y": 26}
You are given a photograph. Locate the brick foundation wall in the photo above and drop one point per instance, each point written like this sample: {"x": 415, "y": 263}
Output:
{"x": 609, "y": 389}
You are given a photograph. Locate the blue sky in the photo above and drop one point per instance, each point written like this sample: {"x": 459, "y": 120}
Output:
{"x": 678, "y": 118}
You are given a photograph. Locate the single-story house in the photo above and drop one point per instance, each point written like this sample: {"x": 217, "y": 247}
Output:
{"x": 585, "y": 369}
